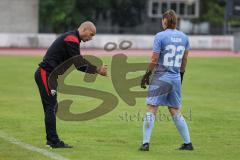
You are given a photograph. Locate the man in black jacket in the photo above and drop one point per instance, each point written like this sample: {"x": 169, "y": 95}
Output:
{"x": 62, "y": 49}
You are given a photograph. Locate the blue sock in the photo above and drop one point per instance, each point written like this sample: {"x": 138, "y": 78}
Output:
{"x": 148, "y": 125}
{"x": 182, "y": 127}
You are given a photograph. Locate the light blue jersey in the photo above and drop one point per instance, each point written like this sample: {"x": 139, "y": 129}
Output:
{"x": 170, "y": 44}
{"x": 165, "y": 86}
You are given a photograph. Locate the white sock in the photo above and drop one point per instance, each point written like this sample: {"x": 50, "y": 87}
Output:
{"x": 182, "y": 127}
{"x": 148, "y": 125}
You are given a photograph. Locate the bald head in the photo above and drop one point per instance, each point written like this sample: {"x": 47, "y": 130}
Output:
{"x": 87, "y": 25}
{"x": 86, "y": 31}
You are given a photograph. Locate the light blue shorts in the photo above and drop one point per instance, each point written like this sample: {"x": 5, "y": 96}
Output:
{"x": 164, "y": 92}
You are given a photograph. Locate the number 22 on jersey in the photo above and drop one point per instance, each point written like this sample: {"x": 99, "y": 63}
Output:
{"x": 174, "y": 55}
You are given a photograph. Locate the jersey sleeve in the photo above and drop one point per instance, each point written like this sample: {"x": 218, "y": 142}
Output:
{"x": 83, "y": 65}
{"x": 157, "y": 44}
{"x": 79, "y": 62}
{"x": 72, "y": 45}
{"x": 73, "y": 49}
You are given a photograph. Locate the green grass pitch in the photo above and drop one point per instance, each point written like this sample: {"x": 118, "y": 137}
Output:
{"x": 211, "y": 89}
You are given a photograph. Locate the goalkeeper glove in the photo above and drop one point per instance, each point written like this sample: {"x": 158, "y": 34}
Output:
{"x": 145, "y": 79}
{"x": 182, "y": 74}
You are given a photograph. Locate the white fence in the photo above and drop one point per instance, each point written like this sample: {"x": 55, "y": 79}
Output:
{"x": 100, "y": 40}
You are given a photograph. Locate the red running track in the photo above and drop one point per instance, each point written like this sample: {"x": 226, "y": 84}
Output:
{"x": 130, "y": 52}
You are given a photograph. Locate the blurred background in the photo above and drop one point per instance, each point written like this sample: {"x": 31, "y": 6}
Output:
{"x": 211, "y": 84}
{"x": 211, "y": 24}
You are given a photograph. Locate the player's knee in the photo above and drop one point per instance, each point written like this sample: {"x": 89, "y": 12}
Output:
{"x": 173, "y": 111}
{"x": 153, "y": 109}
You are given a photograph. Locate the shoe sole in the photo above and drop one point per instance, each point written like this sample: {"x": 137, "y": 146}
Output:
{"x": 50, "y": 147}
{"x": 185, "y": 149}
{"x": 143, "y": 150}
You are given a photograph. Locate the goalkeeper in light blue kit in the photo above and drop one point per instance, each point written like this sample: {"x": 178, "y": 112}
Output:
{"x": 169, "y": 59}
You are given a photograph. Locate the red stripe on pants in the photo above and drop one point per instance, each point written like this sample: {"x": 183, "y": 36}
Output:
{"x": 44, "y": 79}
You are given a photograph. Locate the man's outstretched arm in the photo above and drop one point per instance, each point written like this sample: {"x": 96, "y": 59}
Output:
{"x": 81, "y": 63}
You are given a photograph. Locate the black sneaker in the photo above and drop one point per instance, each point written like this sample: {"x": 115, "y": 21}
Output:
{"x": 48, "y": 144}
{"x": 188, "y": 146}
{"x": 59, "y": 144}
{"x": 144, "y": 147}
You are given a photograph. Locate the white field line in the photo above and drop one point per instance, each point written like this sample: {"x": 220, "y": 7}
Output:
{"x": 29, "y": 147}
